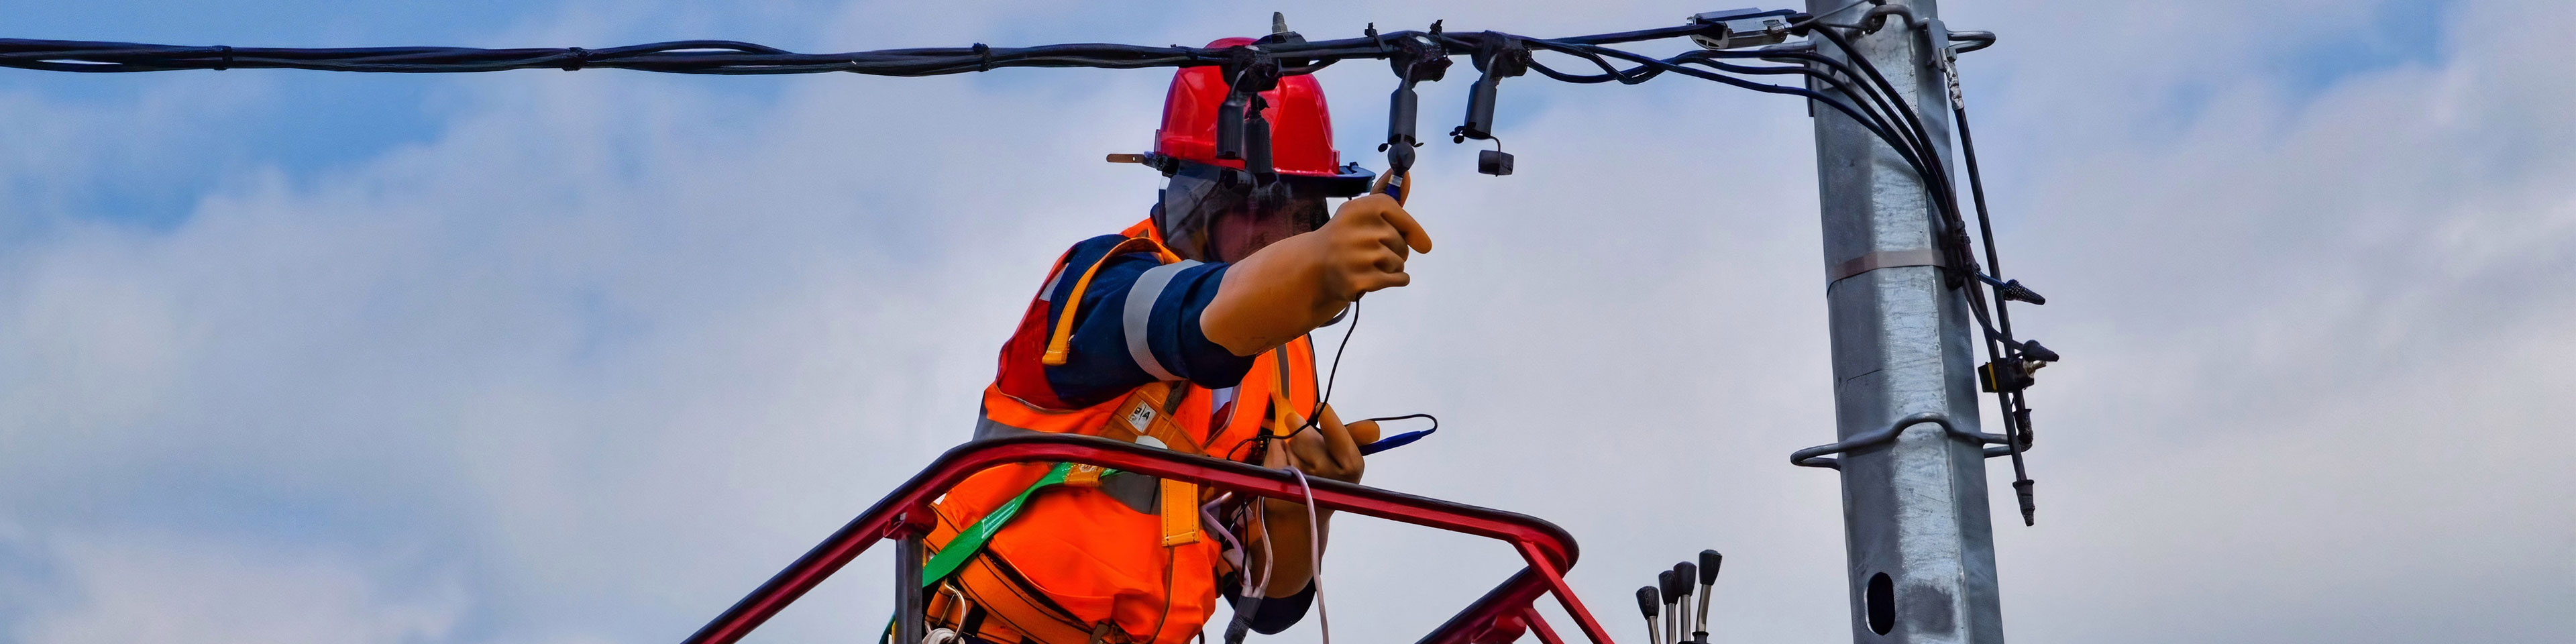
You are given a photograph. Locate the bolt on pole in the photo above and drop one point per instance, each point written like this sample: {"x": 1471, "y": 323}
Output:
{"x": 1915, "y": 515}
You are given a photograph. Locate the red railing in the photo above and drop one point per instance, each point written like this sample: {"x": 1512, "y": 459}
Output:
{"x": 905, "y": 515}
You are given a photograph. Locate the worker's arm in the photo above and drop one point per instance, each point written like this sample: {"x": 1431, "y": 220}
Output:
{"x": 1137, "y": 323}
{"x": 1298, "y": 284}
{"x": 1330, "y": 451}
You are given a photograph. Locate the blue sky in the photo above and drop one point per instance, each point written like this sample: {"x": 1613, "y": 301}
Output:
{"x": 544, "y": 356}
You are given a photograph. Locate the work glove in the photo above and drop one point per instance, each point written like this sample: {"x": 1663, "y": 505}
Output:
{"x": 1294, "y": 286}
{"x": 1330, "y": 450}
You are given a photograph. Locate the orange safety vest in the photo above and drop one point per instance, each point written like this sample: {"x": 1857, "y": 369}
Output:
{"x": 1083, "y": 562}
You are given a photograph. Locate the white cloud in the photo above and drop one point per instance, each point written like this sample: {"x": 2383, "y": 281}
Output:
{"x": 132, "y": 589}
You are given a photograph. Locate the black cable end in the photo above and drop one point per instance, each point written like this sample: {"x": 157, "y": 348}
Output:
{"x": 2030, "y": 350}
{"x": 2021, "y": 489}
{"x": 2013, "y": 290}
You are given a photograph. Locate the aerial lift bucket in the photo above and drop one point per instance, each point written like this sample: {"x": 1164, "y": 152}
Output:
{"x": 1499, "y": 617}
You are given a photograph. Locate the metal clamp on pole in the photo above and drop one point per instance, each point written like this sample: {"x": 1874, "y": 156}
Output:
{"x": 1815, "y": 456}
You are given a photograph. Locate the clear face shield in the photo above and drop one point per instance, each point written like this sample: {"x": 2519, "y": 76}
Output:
{"x": 1214, "y": 213}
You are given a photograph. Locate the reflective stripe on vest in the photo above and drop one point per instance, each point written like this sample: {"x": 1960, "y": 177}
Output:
{"x": 1139, "y": 315}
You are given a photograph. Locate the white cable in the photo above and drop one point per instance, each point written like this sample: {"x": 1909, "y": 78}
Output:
{"x": 1314, "y": 547}
{"x": 1269, "y": 562}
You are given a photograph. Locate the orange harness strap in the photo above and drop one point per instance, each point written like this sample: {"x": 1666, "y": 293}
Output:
{"x": 1060, "y": 344}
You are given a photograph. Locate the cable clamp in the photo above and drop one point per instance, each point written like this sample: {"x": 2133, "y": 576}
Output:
{"x": 227, "y": 51}
{"x": 984, "y": 57}
{"x": 579, "y": 57}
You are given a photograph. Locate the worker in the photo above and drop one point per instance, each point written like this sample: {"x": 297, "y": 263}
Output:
{"x": 1185, "y": 331}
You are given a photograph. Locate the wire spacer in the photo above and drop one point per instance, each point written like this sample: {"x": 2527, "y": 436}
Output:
{"x": 227, "y": 51}
{"x": 579, "y": 57}
{"x": 984, "y": 57}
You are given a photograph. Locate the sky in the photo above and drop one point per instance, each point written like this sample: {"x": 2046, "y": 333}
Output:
{"x": 548, "y": 357}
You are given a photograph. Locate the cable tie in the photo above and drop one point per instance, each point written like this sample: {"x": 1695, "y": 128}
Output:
{"x": 984, "y": 57}
{"x": 579, "y": 57}
{"x": 227, "y": 51}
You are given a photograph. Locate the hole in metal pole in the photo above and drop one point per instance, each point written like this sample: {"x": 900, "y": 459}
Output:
{"x": 1881, "y": 602}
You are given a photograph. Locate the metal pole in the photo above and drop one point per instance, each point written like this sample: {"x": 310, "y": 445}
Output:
{"x": 1915, "y": 516}
{"x": 909, "y": 627}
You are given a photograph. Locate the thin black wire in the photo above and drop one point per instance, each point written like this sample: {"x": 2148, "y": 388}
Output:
{"x": 1316, "y": 418}
{"x": 1904, "y": 146}
{"x": 1435, "y": 420}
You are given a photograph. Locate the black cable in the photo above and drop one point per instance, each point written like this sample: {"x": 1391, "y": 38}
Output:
{"x": 2001, "y": 348}
{"x": 2015, "y": 407}
{"x": 1435, "y": 420}
{"x": 1316, "y": 418}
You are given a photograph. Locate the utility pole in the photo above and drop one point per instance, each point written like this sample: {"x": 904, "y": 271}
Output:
{"x": 1915, "y": 515}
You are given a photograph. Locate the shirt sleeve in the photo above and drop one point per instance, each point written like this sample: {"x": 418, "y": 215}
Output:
{"x": 1137, "y": 323}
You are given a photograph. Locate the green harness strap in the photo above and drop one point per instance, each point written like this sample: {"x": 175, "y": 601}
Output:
{"x": 972, "y": 540}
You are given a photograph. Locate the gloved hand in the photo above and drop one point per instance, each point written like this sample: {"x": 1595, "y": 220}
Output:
{"x": 1331, "y": 450}
{"x": 1293, "y": 286}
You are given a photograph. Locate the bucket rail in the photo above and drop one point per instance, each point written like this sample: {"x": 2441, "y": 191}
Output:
{"x": 904, "y": 516}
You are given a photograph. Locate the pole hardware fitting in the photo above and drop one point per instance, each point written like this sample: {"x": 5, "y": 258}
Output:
{"x": 1498, "y": 56}
{"x": 1976, "y": 40}
{"x": 1738, "y": 28}
{"x": 1816, "y": 456}
{"x": 1280, "y": 35}
{"x": 2012, "y": 373}
{"x": 1415, "y": 59}
{"x": 1876, "y": 19}
{"x": 2007, "y": 375}
{"x": 1242, "y": 132}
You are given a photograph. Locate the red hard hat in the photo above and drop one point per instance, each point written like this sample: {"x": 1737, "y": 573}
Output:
{"x": 1301, "y": 125}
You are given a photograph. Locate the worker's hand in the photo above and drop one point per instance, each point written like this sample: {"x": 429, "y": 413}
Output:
{"x": 1329, "y": 451}
{"x": 1367, "y": 242}
{"x": 1291, "y": 287}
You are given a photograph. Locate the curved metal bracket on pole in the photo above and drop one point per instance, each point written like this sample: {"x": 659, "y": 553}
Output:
{"x": 1976, "y": 40}
{"x": 1815, "y": 456}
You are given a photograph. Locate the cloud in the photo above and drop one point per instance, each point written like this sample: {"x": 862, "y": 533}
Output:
{"x": 606, "y": 349}
{"x": 126, "y": 588}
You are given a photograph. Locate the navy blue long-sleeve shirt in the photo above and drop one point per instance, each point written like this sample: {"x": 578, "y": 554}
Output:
{"x": 1138, "y": 323}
